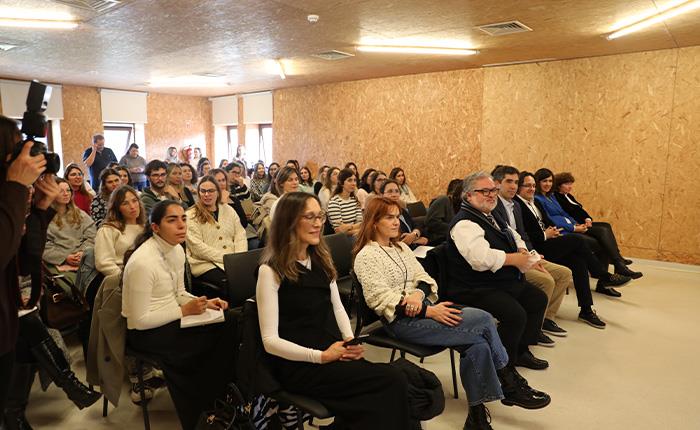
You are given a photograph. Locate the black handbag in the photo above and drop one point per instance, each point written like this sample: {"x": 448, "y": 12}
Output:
{"x": 60, "y": 310}
{"x": 230, "y": 413}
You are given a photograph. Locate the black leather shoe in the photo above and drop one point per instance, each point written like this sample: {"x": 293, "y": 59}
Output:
{"x": 613, "y": 280}
{"x": 608, "y": 291}
{"x": 528, "y": 360}
{"x": 625, "y": 271}
{"x": 627, "y": 261}
{"x": 516, "y": 391}
{"x": 478, "y": 418}
{"x": 590, "y": 318}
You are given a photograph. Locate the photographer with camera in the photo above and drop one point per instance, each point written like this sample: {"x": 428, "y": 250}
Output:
{"x": 21, "y": 165}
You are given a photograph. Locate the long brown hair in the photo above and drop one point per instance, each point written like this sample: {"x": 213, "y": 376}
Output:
{"x": 375, "y": 209}
{"x": 200, "y": 212}
{"x": 103, "y": 178}
{"x": 72, "y": 214}
{"x": 83, "y": 189}
{"x": 283, "y": 244}
{"x": 114, "y": 216}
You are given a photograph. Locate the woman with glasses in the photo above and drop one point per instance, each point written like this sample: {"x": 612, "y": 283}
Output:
{"x": 304, "y": 326}
{"x": 213, "y": 230}
{"x": 344, "y": 211}
{"x": 399, "y": 176}
{"x": 82, "y": 194}
{"x": 400, "y": 291}
{"x": 410, "y": 235}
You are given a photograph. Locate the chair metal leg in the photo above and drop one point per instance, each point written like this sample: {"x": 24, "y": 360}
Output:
{"x": 142, "y": 392}
{"x": 104, "y": 406}
{"x": 422, "y": 359}
{"x": 454, "y": 373}
{"x": 403, "y": 354}
{"x": 393, "y": 354}
{"x": 300, "y": 419}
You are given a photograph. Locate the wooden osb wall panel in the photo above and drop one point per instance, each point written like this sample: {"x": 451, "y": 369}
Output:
{"x": 607, "y": 120}
{"x": 82, "y": 118}
{"x": 428, "y": 124}
{"x": 680, "y": 227}
{"x": 178, "y": 121}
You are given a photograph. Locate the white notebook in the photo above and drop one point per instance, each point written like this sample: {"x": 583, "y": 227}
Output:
{"x": 422, "y": 251}
{"x": 211, "y": 316}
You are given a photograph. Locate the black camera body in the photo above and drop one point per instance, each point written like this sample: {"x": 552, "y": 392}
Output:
{"x": 34, "y": 125}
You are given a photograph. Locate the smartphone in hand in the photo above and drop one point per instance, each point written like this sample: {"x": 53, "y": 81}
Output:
{"x": 356, "y": 341}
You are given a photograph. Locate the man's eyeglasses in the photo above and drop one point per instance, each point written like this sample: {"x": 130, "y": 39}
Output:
{"x": 487, "y": 192}
{"x": 311, "y": 217}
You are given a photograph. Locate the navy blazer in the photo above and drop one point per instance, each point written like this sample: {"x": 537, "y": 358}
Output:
{"x": 501, "y": 212}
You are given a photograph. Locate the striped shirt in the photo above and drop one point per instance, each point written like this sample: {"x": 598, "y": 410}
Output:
{"x": 341, "y": 211}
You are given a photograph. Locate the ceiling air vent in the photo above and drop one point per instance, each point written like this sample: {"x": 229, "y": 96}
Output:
{"x": 502, "y": 28}
{"x": 98, "y": 6}
{"x": 332, "y": 55}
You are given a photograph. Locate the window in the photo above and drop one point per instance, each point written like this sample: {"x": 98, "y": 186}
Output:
{"x": 119, "y": 136}
{"x": 258, "y": 143}
{"x": 232, "y": 139}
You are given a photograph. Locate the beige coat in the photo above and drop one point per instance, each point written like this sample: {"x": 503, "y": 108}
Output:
{"x": 105, "y": 358}
{"x": 208, "y": 243}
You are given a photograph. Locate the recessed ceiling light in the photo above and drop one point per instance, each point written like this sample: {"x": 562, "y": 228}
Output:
{"x": 678, "y": 9}
{"x": 417, "y": 50}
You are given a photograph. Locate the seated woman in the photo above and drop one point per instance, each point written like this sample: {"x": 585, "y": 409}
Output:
{"x": 306, "y": 183}
{"x": 221, "y": 178}
{"x": 174, "y": 180}
{"x": 259, "y": 183}
{"x": 304, "y": 325}
{"x": 109, "y": 181}
{"x": 568, "y": 224}
{"x": 441, "y": 211}
{"x": 326, "y": 192}
{"x": 363, "y": 187}
{"x": 272, "y": 171}
{"x": 399, "y": 176}
{"x": 203, "y": 167}
{"x": 196, "y": 361}
{"x": 286, "y": 181}
{"x": 82, "y": 195}
{"x": 70, "y": 233}
{"x": 320, "y": 178}
{"x": 399, "y": 290}
{"x": 601, "y": 231}
{"x": 213, "y": 230}
{"x": 375, "y": 183}
{"x": 189, "y": 178}
{"x": 410, "y": 235}
{"x": 136, "y": 167}
{"x": 124, "y": 176}
{"x": 344, "y": 211}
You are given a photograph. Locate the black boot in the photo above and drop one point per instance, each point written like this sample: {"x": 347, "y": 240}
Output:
{"x": 51, "y": 359}
{"x": 517, "y": 392}
{"x": 478, "y": 418}
{"x": 20, "y": 387}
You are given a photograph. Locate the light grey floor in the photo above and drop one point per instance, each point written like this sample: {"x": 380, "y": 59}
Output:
{"x": 640, "y": 373}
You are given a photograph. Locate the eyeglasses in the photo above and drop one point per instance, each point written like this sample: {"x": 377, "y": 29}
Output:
{"x": 487, "y": 192}
{"x": 311, "y": 217}
{"x": 207, "y": 191}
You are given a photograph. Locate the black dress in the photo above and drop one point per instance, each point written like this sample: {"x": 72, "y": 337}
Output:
{"x": 362, "y": 395}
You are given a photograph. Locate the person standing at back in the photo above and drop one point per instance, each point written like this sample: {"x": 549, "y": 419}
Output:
{"x": 97, "y": 158}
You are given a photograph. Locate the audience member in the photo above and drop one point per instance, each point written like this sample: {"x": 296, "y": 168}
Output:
{"x": 97, "y": 158}
{"x": 171, "y": 155}
{"x": 441, "y": 211}
{"x": 109, "y": 181}
{"x": 236, "y": 181}
{"x": 156, "y": 171}
{"x": 375, "y": 184}
{"x": 272, "y": 170}
{"x": 363, "y": 187}
{"x": 196, "y": 155}
{"x": 196, "y": 361}
{"x": 294, "y": 164}
{"x": 399, "y": 176}
{"x": 344, "y": 211}
{"x": 136, "y": 166}
{"x": 326, "y": 192}
{"x": 259, "y": 183}
{"x": 399, "y": 290}
{"x": 124, "y": 176}
{"x": 306, "y": 183}
{"x": 287, "y": 181}
{"x": 554, "y": 280}
{"x": 221, "y": 178}
{"x": 203, "y": 167}
{"x": 189, "y": 178}
{"x": 486, "y": 262}
{"x": 223, "y": 163}
{"x": 364, "y": 180}
{"x": 82, "y": 197}
{"x": 304, "y": 325}
{"x": 320, "y": 178}
{"x": 175, "y": 181}
{"x": 213, "y": 230}
{"x": 601, "y": 231}
{"x": 410, "y": 235}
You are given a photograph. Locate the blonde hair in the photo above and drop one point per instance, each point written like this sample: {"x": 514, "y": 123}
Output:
{"x": 72, "y": 214}
{"x": 200, "y": 212}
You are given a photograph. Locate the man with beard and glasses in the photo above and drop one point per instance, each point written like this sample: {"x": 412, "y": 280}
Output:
{"x": 156, "y": 172}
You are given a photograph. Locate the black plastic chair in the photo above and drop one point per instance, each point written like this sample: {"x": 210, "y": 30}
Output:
{"x": 418, "y": 212}
{"x": 303, "y": 404}
{"x": 141, "y": 359}
{"x": 242, "y": 275}
{"x": 340, "y": 246}
{"x": 381, "y": 338}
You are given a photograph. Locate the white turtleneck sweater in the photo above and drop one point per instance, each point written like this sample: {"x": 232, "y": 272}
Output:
{"x": 154, "y": 285}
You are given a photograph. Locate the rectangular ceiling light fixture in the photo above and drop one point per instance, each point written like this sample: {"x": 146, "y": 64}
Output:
{"x": 416, "y": 50}
{"x": 280, "y": 69}
{"x": 661, "y": 16}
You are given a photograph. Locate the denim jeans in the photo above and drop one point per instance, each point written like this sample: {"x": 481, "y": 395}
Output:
{"x": 481, "y": 354}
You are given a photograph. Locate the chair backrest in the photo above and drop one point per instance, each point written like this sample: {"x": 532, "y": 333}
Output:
{"x": 437, "y": 266}
{"x": 416, "y": 209}
{"x": 363, "y": 315}
{"x": 340, "y": 246}
{"x": 242, "y": 275}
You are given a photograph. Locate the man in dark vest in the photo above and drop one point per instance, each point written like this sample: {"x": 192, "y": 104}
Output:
{"x": 487, "y": 260}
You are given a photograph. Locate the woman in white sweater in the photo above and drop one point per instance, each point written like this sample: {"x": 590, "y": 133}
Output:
{"x": 197, "y": 361}
{"x": 304, "y": 325}
{"x": 213, "y": 230}
{"x": 399, "y": 290}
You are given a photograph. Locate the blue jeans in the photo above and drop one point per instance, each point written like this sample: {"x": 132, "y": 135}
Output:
{"x": 481, "y": 355}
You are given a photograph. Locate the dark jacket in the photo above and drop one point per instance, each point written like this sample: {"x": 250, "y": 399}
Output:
{"x": 437, "y": 220}
{"x": 426, "y": 399}
{"x": 531, "y": 225}
{"x": 574, "y": 209}
{"x": 502, "y": 213}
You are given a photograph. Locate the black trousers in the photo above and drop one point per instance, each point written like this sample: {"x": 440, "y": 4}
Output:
{"x": 216, "y": 277}
{"x": 603, "y": 233}
{"x": 7, "y": 363}
{"x": 361, "y": 394}
{"x": 519, "y": 315}
{"x": 84, "y": 326}
{"x": 198, "y": 362}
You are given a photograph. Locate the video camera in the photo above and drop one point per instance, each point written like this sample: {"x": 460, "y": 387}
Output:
{"x": 34, "y": 125}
